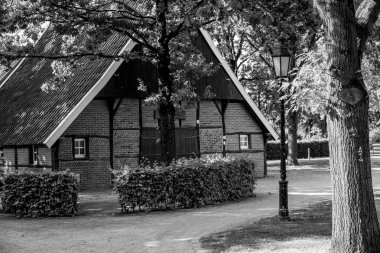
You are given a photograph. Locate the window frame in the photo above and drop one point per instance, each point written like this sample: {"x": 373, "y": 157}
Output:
{"x": 84, "y": 156}
{"x": 2, "y": 159}
{"x": 248, "y": 146}
{"x": 33, "y": 155}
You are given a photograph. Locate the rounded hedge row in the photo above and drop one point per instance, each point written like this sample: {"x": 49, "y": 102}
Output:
{"x": 318, "y": 148}
{"x": 186, "y": 183}
{"x": 40, "y": 195}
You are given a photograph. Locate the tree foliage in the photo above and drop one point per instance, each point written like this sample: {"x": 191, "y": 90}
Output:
{"x": 163, "y": 31}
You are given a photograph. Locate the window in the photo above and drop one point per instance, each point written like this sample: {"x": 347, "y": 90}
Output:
{"x": 33, "y": 155}
{"x": 80, "y": 150}
{"x": 244, "y": 141}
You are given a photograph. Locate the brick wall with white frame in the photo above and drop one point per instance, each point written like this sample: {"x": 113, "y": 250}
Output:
{"x": 84, "y": 147}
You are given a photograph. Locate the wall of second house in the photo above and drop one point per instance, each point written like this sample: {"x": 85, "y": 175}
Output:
{"x": 93, "y": 125}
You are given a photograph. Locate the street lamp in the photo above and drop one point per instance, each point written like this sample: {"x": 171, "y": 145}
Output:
{"x": 281, "y": 62}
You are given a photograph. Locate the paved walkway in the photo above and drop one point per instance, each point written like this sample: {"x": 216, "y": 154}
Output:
{"x": 177, "y": 231}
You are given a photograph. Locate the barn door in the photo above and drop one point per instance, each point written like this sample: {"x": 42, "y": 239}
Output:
{"x": 186, "y": 143}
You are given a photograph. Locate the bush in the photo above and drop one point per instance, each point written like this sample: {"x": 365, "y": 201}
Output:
{"x": 186, "y": 183}
{"x": 374, "y": 136}
{"x": 40, "y": 195}
{"x": 318, "y": 148}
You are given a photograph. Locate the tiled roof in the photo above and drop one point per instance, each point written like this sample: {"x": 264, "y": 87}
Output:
{"x": 29, "y": 115}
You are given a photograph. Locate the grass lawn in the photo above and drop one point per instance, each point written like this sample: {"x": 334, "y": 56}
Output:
{"x": 309, "y": 230}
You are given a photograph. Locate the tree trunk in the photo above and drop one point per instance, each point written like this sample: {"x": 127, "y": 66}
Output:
{"x": 354, "y": 219}
{"x": 166, "y": 107}
{"x": 167, "y": 132}
{"x": 292, "y": 138}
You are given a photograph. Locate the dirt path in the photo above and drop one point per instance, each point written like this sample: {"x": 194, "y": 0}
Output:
{"x": 177, "y": 231}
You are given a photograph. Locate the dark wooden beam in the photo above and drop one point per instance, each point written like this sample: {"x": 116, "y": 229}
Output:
{"x": 111, "y": 114}
{"x": 55, "y": 155}
{"x": 140, "y": 129}
{"x": 16, "y": 158}
{"x": 242, "y": 132}
{"x": 265, "y": 138}
{"x": 222, "y": 110}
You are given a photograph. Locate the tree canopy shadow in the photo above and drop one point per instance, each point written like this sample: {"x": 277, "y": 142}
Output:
{"x": 314, "y": 221}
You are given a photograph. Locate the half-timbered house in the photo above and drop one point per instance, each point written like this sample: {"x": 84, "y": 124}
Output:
{"x": 97, "y": 119}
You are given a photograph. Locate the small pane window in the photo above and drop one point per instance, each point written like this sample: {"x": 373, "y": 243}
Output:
{"x": 244, "y": 141}
{"x": 80, "y": 148}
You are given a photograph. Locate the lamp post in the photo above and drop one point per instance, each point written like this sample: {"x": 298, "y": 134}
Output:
{"x": 281, "y": 62}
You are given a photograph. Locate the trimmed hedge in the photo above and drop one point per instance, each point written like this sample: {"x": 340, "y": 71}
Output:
{"x": 318, "y": 148}
{"x": 374, "y": 136}
{"x": 186, "y": 183}
{"x": 40, "y": 195}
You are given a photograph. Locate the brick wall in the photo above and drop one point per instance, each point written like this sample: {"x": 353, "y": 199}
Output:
{"x": 127, "y": 115}
{"x": 93, "y": 120}
{"x": 239, "y": 119}
{"x": 209, "y": 115}
{"x": 257, "y": 141}
{"x": 191, "y": 115}
{"x": 126, "y": 134}
{"x": 66, "y": 149}
{"x": 233, "y": 142}
{"x": 126, "y": 147}
{"x": 94, "y": 175}
{"x": 92, "y": 123}
{"x": 148, "y": 119}
{"x": 211, "y": 132}
{"x": 211, "y": 140}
